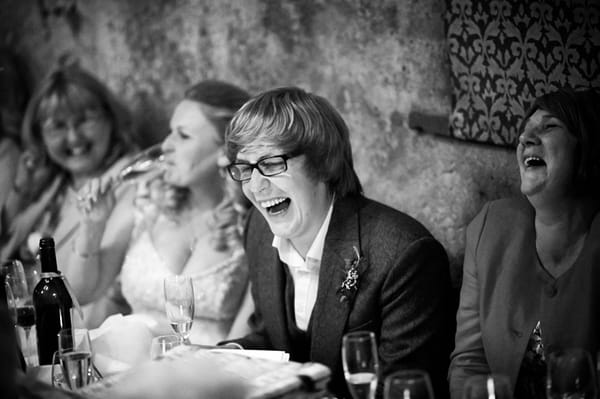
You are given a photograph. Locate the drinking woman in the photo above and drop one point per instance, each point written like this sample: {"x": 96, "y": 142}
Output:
{"x": 188, "y": 221}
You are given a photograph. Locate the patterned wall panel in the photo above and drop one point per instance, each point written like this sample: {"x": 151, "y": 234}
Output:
{"x": 504, "y": 53}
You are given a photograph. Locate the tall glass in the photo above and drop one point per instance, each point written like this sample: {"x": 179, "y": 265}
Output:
{"x": 179, "y": 304}
{"x": 361, "y": 364}
{"x": 20, "y": 303}
{"x": 408, "y": 384}
{"x": 72, "y": 365}
{"x": 483, "y": 386}
{"x": 571, "y": 374}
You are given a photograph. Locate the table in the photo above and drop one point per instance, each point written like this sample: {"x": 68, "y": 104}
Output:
{"x": 262, "y": 378}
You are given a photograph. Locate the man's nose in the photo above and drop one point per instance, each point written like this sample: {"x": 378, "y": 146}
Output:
{"x": 257, "y": 182}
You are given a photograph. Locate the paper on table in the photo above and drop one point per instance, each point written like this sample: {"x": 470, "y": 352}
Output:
{"x": 176, "y": 379}
{"x": 202, "y": 373}
{"x": 280, "y": 356}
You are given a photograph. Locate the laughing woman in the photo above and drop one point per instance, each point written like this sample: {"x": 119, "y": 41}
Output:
{"x": 74, "y": 130}
{"x": 527, "y": 283}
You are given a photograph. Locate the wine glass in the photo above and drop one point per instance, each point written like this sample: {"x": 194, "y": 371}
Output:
{"x": 162, "y": 344}
{"x": 20, "y": 302}
{"x": 408, "y": 384}
{"x": 571, "y": 374}
{"x": 33, "y": 271}
{"x": 484, "y": 386}
{"x": 144, "y": 162}
{"x": 361, "y": 365}
{"x": 179, "y": 303}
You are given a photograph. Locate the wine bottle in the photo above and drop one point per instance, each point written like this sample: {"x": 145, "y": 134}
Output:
{"x": 52, "y": 303}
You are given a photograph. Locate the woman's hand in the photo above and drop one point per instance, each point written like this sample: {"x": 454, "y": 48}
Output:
{"x": 96, "y": 201}
{"x": 33, "y": 174}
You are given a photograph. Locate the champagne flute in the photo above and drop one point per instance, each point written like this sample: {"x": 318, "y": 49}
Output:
{"x": 144, "y": 162}
{"x": 361, "y": 364}
{"x": 20, "y": 302}
{"x": 571, "y": 374}
{"x": 179, "y": 304}
{"x": 408, "y": 384}
{"x": 148, "y": 160}
{"x": 483, "y": 386}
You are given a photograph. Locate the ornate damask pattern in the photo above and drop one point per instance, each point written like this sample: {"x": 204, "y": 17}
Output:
{"x": 505, "y": 53}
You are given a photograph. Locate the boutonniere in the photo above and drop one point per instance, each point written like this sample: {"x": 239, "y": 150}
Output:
{"x": 350, "y": 284}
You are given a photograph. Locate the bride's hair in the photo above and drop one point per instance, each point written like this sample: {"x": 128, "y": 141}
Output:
{"x": 219, "y": 101}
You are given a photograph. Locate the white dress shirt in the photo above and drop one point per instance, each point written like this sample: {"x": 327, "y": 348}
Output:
{"x": 305, "y": 273}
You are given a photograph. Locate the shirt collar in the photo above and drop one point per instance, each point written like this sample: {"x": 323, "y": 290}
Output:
{"x": 290, "y": 256}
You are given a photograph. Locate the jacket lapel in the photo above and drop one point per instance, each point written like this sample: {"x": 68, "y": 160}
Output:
{"x": 511, "y": 302}
{"x": 330, "y": 314}
{"x": 271, "y": 274}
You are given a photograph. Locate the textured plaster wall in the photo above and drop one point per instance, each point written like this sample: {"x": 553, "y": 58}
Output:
{"x": 375, "y": 60}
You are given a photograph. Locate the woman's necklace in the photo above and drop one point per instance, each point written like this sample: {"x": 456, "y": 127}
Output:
{"x": 197, "y": 223}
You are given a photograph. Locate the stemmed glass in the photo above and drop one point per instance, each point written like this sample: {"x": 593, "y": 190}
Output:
{"x": 571, "y": 374}
{"x": 144, "y": 162}
{"x": 408, "y": 384}
{"x": 179, "y": 303}
{"x": 361, "y": 364}
{"x": 19, "y": 301}
{"x": 483, "y": 386}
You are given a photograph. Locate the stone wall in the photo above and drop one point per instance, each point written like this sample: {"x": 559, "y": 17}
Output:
{"x": 376, "y": 61}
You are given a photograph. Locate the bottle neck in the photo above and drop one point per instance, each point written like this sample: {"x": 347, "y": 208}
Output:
{"x": 48, "y": 260}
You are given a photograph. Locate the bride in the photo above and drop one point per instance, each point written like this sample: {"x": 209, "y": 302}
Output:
{"x": 188, "y": 220}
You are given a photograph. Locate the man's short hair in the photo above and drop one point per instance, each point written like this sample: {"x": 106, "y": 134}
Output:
{"x": 298, "y": 122}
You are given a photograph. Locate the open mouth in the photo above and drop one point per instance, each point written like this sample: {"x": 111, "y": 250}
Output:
{"x": 276, "y": 206}
{"x": 79, "y": 150}
{"x": 533, "y": 161}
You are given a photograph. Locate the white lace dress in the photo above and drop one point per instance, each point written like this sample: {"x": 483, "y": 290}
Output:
{"x": 218, "y": 289}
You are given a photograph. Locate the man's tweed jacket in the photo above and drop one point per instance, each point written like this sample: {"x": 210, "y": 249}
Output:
{"x": 403, "y": 296}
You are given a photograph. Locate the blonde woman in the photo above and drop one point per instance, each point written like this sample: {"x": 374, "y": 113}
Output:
{"x": 187, "y": 221}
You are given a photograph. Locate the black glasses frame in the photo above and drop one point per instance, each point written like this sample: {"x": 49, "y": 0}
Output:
{"x": 258, "y": 165}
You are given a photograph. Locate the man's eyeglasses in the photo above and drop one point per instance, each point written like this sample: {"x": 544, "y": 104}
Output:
{"x": 269, "y": 166}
